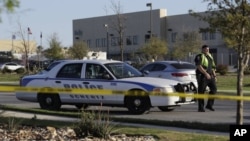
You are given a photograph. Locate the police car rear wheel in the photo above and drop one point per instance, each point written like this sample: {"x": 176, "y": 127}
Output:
{"x": 137, "y": 104}
{"x": 166, "y": 108}
{"x": 49, "y": 101}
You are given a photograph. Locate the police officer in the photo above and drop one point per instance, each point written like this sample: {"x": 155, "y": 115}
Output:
{"x": 206, "y": 76}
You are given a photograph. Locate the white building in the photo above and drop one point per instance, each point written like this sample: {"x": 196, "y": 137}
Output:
{"x": 95, "y": 32}
{"x": 15, "y": 48}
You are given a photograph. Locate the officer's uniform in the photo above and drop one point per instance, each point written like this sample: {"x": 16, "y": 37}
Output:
{"x": 207, "y": 62}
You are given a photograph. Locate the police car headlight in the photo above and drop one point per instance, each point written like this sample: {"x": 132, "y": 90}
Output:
{"x": 158, "y": 91}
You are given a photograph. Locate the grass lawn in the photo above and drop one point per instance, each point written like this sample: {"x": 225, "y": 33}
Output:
{"x": 10, "y": 77}
{"x": 229, "y": 82}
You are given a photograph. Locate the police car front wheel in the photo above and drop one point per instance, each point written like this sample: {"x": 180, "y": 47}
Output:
{"x": 137, "y": 104}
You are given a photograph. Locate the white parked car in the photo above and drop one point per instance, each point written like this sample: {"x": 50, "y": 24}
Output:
{"x": 11, "y": 66}
{"x": 103, "y": 74}
{"x": 173, "y": 70}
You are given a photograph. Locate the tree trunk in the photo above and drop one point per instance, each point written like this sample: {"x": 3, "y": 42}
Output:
{"x": 121, "y": 46}
{"x": 239, "y": 112}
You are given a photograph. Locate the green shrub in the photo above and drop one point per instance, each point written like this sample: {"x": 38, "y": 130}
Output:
{"x": 222, "y": 69}
{"x": 92, "y": 124}
{"x": 247, "y": 70}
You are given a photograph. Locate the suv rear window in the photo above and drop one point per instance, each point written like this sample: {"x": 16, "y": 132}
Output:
{"x": 183, "y": 66}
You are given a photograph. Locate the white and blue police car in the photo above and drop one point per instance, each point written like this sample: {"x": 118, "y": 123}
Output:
{"x": 103, "y": 75}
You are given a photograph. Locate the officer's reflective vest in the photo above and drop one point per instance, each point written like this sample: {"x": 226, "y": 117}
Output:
{"x": 204, "y": 60}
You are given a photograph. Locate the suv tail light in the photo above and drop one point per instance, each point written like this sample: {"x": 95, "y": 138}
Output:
{"x": 176, "y": 74}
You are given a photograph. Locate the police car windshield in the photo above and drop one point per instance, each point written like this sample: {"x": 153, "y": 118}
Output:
{"x": 123, "y": 70}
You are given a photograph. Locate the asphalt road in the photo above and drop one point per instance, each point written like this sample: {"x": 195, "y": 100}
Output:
{"x": 225, "y": 111}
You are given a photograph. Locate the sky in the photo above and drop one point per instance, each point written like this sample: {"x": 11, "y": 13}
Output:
{"x": 56, "y": 16}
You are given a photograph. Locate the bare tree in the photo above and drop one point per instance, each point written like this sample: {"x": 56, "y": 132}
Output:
{"x": 118, "y": 25}
{"x": 26, "y": 48}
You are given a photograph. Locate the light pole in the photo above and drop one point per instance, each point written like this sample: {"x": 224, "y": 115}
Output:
{"x": 107, "y": 30}
{"x": 12, "y": 43}
{"x": 150, "y": 5}
{"x": 170, "y": 39}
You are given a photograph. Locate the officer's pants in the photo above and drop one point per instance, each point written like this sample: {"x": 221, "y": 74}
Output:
{"x": 203, "y": 83}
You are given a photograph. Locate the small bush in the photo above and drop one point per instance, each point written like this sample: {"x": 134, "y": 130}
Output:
{"x": 247, "y": 70}
{"x": 92, "y": 124}
{"x": 222, "y": 69}
{"x": 13, "y": 124}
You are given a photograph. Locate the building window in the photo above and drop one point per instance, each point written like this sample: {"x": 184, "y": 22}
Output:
{"x": 204, "y": 35}
{"x": 104, "y": 43}
{"x": 147, "y": 38}
{"x": 185, "y": 36}
{"x": 135, "y": 40}
{"x": 114, "y": 41}
{"x": 88, "y": 43}
{"x": 212, "y": 35}
{"x": 98, "y": 42}
{"x": 129, "y": 40}
{"x": 173, "y": 37}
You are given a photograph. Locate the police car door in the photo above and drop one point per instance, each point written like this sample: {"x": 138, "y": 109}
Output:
{"x": 97, "y": 77}
{"x": 70, "y": 76}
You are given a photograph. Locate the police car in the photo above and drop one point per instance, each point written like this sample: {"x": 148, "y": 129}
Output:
{"x": 103, "y": 75}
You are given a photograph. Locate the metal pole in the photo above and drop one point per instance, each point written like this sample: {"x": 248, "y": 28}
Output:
{"x": 26, "y": 53}
{"x": 150, "y": 20}
{"x": 39, "y": 51}
{"x": 12, "y": 44}
{"x": 107, "y": 31}
{"x": 150, "y": 5}
{"x": 107, "y": 44}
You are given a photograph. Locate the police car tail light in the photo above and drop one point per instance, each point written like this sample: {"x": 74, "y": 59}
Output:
{"x": 176, "y": 74}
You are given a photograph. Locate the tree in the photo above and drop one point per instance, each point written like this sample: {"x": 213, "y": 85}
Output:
{"x": 54, "y": 52}
{"x": 119, "y": 25}
{"x": 78, "y": 50}
{"x": 154, "y": 48}
{"x": 26, "y": 47}
{"x": 8, "y": 5}
{"x": 190, "y": 42}
{"x": 232, "y": 19}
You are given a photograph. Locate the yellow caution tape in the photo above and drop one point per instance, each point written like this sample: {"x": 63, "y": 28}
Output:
{"x": 112, "y": 92}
